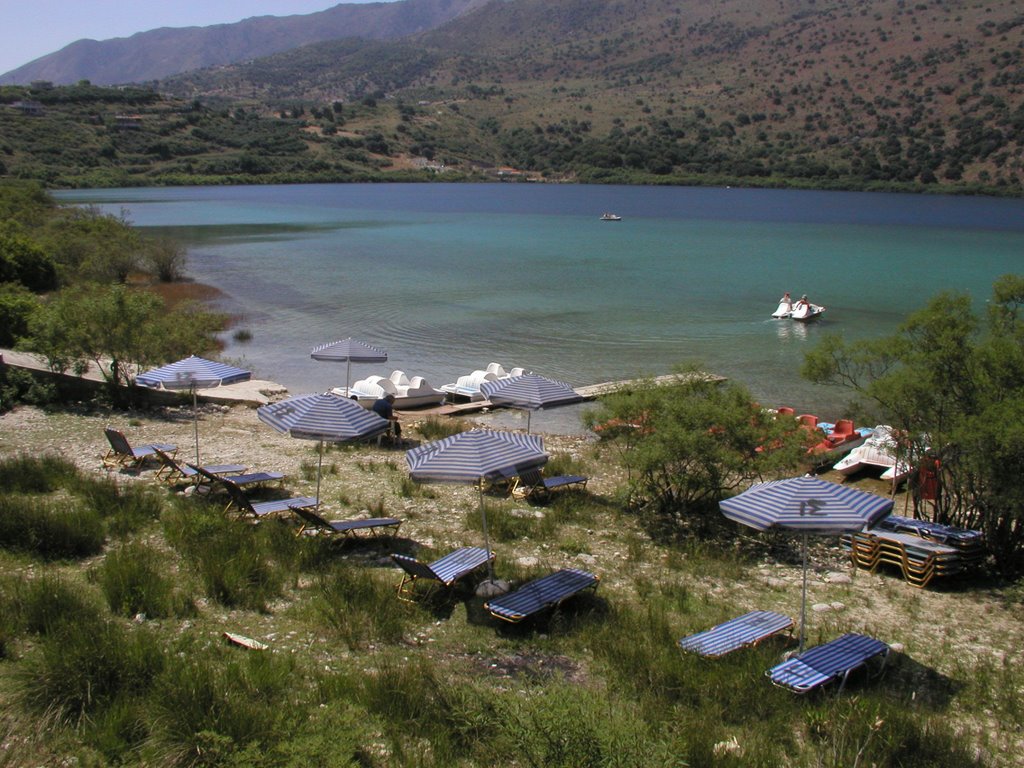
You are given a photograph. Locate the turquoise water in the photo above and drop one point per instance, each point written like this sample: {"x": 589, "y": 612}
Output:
{"x": 448, "y": 278}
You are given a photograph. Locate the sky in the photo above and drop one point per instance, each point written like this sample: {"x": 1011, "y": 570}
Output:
{"x": 33, "y": 28}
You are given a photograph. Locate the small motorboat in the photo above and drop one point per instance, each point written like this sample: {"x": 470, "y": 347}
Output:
{"x": 804, "y": 311}
{"x": 409, "y": 393}
{"x": 610, "y": 217}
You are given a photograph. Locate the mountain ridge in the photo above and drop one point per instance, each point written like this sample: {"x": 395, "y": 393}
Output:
{"x": 159, "y": 53}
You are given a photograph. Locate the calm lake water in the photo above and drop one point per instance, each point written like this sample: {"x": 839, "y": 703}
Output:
{"x": 449, "y": 277}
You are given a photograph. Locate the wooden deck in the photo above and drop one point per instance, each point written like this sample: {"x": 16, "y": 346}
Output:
{"x": 588, "y": 392}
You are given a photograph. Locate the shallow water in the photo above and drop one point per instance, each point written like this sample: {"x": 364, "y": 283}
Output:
{"x": 448, "y": 278}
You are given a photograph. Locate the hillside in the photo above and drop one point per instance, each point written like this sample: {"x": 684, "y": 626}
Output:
{"x": 161, "y": 52}
{"x": 876, "y": 94}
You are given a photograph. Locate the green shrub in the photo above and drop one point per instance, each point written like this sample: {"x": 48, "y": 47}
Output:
{"x": 51, "y": 601}
{"x": 209, "y": 706}
{"x": 36, "y": 474}
{"x": 359, "y": 607}
{"x": 49, "y": 529}
{"x": 126, "y": 507}
{"x": 79, "y": 669}
{"x": 135, "y": 580}
{"x": 233, "y": 564}
{"x": 433, "y": 428}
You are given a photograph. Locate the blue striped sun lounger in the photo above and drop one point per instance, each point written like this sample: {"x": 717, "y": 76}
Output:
{"x": 314, "y": 523}
{"x": 746, "y": 630}
{"x": 442, "y": 572}
{"x": 540, "y": 594}
{"x": 823, "y": 664}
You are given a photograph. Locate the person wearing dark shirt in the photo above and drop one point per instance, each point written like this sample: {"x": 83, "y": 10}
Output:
{"x": 385, "y": 408}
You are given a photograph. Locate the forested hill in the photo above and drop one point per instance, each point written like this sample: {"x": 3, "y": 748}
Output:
{"x": 161, "y": 52}
{"x": 870, "y": 94}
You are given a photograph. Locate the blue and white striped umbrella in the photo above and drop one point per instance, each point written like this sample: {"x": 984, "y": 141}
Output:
{"x": 349, "y": 351}
{"x": 325, "y": 417}
{"x": 529, "y": 391}
{"x": 476, "y": 456}
{"x": 807, "y": 505}
{"x": 192, "y": 373}
{"x": 479, "y": 454}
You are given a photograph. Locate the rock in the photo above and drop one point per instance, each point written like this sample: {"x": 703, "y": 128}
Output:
{"x": 897, "y": 647}
{"x": 837, "y": 606}
{"x": 492, "y": 588}
{"x": 821, "y": 607}
{"x": 836, "y": 577}
{"x": 527, "y": 562}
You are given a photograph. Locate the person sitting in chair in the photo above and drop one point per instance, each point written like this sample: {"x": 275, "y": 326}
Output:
{"x": 385, "y": 408}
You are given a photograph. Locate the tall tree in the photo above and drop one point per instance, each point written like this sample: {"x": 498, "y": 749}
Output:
{"x": 953, "y": 384}
{"x": 120, "y": 331}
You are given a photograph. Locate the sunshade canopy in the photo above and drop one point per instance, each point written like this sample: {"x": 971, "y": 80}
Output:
{"x": 529, "y": 391}
{"x": 806, "y": 504}
{"x": 192, "y": 372}
{"x": 479, "y": 453}
{"x": 349, "y": 350}
{"x": 326, "y": 417}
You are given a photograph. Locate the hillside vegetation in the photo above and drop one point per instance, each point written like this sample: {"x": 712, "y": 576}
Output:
{"x": 872, "y": 94}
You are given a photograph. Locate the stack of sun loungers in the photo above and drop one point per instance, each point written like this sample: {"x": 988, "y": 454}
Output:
{"x": 920, "y": 549}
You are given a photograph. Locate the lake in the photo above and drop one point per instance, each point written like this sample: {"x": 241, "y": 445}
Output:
{"x": 449, "y": 277}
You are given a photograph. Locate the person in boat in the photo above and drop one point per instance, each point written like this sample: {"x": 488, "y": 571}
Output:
{"x": 385, "y": 408}
{"x": 786, "y": 300}
{"x": 802, "y": 302}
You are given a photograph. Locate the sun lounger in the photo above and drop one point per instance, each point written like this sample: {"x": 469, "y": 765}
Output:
{"x": 121, "y": 453}
{"x": 826, "y": 663}
{"x": 443, "y": 572}
{"x": 919, "y": 560}
{"x": 174, "y": 471}
{"x": 532, "y": 484}
{"x": 245, "y": 507}
{"x": 741, "y": 632}
{"x": 314, "y": 523}
{"x": 239, "y": 479}
{"x": 540, "y": 594}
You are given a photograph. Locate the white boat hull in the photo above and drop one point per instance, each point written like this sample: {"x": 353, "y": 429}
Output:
{"x": 806, "y": 312}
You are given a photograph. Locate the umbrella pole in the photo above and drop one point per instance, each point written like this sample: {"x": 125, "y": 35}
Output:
{"x": 348, "y": 375}
{"x": 195, "y": 421}
{"x": 529, "y": 413}
{"x": 319, "y": 472}
{"x": 487, "y": 541}
{"x": 803, "y": 602}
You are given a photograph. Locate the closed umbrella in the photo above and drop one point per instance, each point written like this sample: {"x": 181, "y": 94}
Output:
{"x": 476, "y": 456}
{"x": 807, "y": 505}
{"x": 193, "y": 373}
{"x": 530, "y": 392}
{"x": 349, "y": 351}
{"x": 324, "y": 417}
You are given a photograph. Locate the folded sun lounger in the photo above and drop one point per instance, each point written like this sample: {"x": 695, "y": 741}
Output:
{"x": 442, "y": 572}
{"x": 540, "y": 594}
{"x": 823, "y": 664}
{"x": 121, "y": 453}
{"x": 746, "y": 630}
{"x": 313, "y": 522}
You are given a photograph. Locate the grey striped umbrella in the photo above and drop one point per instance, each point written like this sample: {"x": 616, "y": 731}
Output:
{"x": 325, "y": 417}
{"x": 192, "y": 373}
{"x": 806, "y": 505}
{"x": 474, "y": 457}
{"x": 530, "y": 392}
{"x": 349, "y": 351}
